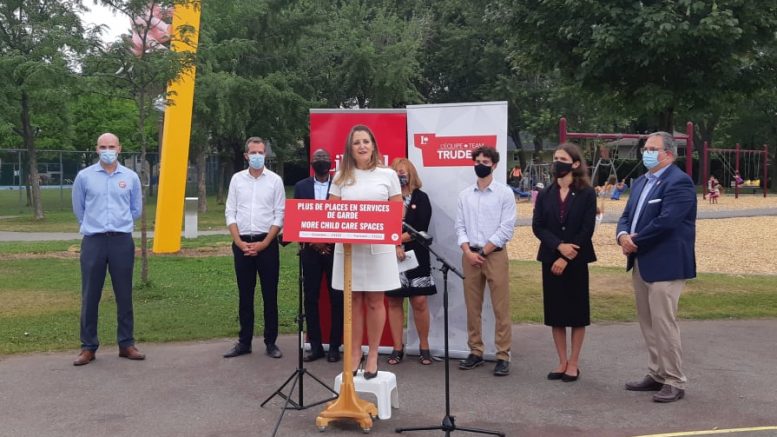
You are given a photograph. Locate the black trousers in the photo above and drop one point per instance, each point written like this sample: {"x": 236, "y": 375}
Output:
{"x": 112, "y": 252}
{"x": 267, "y": 264}
{"x": 314, "y": 266}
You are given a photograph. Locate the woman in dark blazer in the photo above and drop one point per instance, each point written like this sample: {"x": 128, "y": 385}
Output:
{"x": 564, "y": 219}
{"x": 417, "y": 283}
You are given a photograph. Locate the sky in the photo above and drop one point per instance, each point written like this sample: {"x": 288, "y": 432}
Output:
{"x": 116, "y": 24}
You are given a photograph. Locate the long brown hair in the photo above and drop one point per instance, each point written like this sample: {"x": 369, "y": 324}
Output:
{"x": 413, "y": 181}
{"x": 345, "y": 175}
{"x": 580, "y": 177}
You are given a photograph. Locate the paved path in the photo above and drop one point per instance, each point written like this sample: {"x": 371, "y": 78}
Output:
{"x": 187, "y": 389}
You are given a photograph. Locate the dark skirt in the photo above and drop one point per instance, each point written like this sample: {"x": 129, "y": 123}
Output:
{"x": 565, "y": 297}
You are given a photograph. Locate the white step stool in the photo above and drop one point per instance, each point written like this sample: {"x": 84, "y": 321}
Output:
{"x": 383, "y": 386}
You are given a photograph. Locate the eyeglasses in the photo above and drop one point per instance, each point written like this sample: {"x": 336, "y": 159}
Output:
{"x": 646, "y": 149}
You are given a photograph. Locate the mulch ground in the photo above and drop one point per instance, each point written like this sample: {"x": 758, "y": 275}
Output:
{"x": 733, "y": 245}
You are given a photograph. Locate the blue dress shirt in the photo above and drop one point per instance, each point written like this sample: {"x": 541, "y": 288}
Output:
{"x": 105, "y": 202}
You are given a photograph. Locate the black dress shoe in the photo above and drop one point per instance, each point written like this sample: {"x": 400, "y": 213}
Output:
{"x": 570, "y": 378}
{"x": 647, "y": 384}
{"x": 502, "y": 368}
{"x": 668, "y": 393}
{"x": 555, "y": 376}
{"x": 237, "y": 350}
{"x": 471, "y": 362}
{"x": 273, "y": 351}
{"x": 313, "y": 355}
{"x": 333, "y": 355}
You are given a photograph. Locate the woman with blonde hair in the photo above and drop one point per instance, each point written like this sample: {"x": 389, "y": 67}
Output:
{"x": 362, "y": 176}
{"x": 417, "y": 283}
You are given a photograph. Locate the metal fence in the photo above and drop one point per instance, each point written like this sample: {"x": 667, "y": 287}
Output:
{"x": 57, "y": 169}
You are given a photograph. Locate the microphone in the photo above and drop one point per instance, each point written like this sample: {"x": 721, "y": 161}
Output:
{"x": 416, "y": 234}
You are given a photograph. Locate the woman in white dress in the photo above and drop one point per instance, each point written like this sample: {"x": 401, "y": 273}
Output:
{"x": 362, "y": 176}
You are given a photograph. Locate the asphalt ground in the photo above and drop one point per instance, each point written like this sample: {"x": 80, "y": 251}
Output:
{"x": 188, "y": 389}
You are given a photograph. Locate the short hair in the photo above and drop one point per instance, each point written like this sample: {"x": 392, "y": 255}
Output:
{"x": 488, "y": 152}
{"x": 413, "y": 181}
{"x": 667, "y": 140}
{"x": 252, "y": 140}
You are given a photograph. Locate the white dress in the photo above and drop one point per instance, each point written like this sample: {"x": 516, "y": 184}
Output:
{"x": 374, "y": 266}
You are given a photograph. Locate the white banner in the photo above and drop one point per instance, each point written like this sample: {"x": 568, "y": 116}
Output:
{"x": 440, "y": 140}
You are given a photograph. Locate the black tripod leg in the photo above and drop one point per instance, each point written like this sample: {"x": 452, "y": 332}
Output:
{"x": 279, "y": 391}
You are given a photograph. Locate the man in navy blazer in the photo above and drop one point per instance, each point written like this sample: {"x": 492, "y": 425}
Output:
{"x": 317, "y": 259}
{"x": 657, "y": 232}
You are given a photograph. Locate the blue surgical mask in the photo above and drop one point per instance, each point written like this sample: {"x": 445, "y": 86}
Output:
{"x": 108, "y": 156}
{"x": 256, "y": 161}
{"x": 650, "y": 158}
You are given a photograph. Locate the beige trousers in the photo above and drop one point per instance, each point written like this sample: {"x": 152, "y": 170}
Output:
{"x": 657, "y": 312}
{"x": 494, "y": 272}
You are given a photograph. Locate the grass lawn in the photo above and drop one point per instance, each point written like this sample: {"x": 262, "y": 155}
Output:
{"x": 195, "y": 297}
{"x": 59, "y": 214}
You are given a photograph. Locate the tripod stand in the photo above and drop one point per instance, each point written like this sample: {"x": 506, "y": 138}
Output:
{"x": 448, "y": 423}
{"x": 300, "y": 372}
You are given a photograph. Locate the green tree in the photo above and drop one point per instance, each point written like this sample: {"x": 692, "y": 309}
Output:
{"x": 655, "y": 57}
{"x": 39, "y": 41}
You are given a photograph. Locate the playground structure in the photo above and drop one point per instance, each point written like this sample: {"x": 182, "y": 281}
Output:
{"x": 755, "y": 172}
{"x": 606, "y": 157}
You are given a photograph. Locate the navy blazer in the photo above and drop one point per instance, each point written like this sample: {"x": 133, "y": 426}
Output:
{"x": 578, "y": 228}
{"x": 304, "y": 189}
{"x": 666, "y": 227}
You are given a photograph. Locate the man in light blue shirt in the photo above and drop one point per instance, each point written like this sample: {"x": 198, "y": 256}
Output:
{"x": 485, "y": 221}
{"x": 106, "y": 201}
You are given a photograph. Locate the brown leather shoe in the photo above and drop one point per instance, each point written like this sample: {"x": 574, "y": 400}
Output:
{"x": 669, "y": 393}
{"x": 131, "y": 353}
{"x": 85, "y": 357}
{"x": 647, "y": 384}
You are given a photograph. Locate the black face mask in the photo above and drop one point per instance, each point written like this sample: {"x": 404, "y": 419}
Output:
{"x": 560, "y": 169}
{"x": 482, "y": 170}
{"x": 321, "y": 167}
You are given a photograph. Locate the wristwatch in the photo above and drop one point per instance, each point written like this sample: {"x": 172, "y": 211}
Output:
{"x": 482, "y": 253}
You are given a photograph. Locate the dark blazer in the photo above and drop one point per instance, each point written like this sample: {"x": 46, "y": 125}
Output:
{"x": 666, "y": 227}
{"x": 304, "y": 189}
{"x": 578, "y": 227}
{"x": 418, "y": 215}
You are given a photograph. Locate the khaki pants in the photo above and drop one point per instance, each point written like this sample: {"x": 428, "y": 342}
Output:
{"x": 657, "y": 312}
{"x": 494, "y": 272}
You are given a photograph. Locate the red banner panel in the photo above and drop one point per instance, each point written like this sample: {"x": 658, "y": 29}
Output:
{"x": 450, "y": 151}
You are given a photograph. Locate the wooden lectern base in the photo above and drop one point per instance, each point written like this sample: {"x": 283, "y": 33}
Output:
{"x": 348, "y": 405}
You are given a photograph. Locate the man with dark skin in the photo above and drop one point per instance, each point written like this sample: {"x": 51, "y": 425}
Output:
{"x": 316, "y": 261}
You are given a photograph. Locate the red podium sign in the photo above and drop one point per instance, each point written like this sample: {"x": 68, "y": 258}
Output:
{"x": 342, "y": 221}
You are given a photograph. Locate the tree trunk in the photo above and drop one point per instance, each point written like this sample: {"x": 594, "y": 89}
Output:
{"x": 29, "y": 142}
{"x": 202, "y": 199}
{"x": 222, "y": 176}
{"x": 143, "y": 222}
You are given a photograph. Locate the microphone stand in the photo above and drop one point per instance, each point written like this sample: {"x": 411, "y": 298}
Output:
{"x": 300, "y": 372}
{"x": 448, "y": 423}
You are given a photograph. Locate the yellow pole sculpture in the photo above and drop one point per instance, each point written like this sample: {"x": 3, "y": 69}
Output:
{"x": 174, "y": 161}
{"x": 348, "y": 405}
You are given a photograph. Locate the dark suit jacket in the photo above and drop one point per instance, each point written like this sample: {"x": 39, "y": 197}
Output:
{"x": 304, "y": 189}
{"x": 578, "y": 228}
{"x": 666, "y": 227}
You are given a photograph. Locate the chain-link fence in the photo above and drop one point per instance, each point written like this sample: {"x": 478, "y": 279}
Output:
{"x": 58, "y": 168}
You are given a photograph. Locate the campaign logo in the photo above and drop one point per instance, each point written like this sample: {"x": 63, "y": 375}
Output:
{"x": 450, "y": 151}
{"x": 122, "y": 185}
